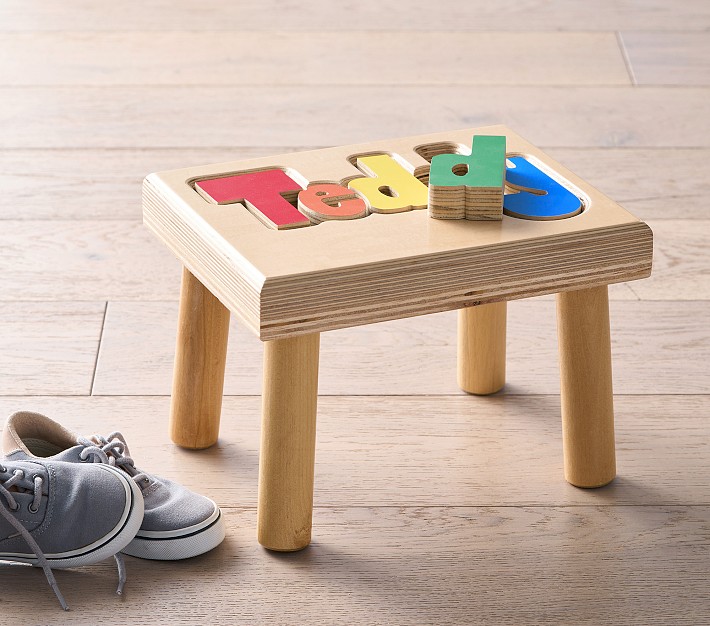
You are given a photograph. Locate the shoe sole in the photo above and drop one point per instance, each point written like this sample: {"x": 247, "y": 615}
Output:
{"x": 179, "y": 544}
{"x": 108, "y": 545}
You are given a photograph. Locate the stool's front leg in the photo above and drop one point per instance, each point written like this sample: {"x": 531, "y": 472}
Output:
{"x": 481, "y": 348}
{"x": 200, "y": 356}
{"x": 586, "y": 389}
{"x": 288, "y": 442}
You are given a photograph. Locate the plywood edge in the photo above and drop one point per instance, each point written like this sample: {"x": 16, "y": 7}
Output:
{"x": 234, "y": 281}
{"x": 322, "y": 301}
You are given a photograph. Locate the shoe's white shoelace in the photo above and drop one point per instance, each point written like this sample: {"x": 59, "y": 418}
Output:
{"x": 112, "y": 450}
{"x": 5, "y": 485}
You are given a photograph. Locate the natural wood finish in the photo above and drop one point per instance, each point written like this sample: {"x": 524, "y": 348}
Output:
{"x": 586, "y": 387}
{"x": 200, "y": 356}
{"x": 137, "y": 58}
{"x": 77, "y": 117}
{"x": 668, "y": 58}
{"x": 370, "y": 15}
{"x": 288, "y": 442}
{"x": 481, "y": 348}
{"x": 387, "y": 266}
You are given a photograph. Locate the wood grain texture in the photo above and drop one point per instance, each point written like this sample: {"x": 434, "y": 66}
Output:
{"x": 91, "y": 183}
{"x": 296, "y": 58}
{"x": 586, "y": 392}
{"x": 198, "y": 373}
{"x": 480, "y": 354}
{"x": 49, "y": 348}
{"x": 84, "y": 260}
{"x": 288, "y": 443}
{"x": 417, "y": 566}
{"x": 419, "y": 354}
{"x": 385, "y": 266}
{"x": 47, "y": 184}
{"x": 106, "y": 116}
{"x": 420, "y": 451}
{"x": 671, "y": 183}
{"x": 681, "y": 262}
{"x": 372, "y": 15}
{"x": 679, "y": 58}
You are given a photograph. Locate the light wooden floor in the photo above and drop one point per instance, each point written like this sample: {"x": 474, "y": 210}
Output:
{"x": 432, "y": 507}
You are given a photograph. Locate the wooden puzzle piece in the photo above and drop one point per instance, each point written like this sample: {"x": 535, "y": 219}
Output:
{"x": 328, "y": 201}
{"x": 469, "y": 186}
{"x": 540, "y": 196}
{"x": 389, "y": 188}
{"x": 268, "y": 194}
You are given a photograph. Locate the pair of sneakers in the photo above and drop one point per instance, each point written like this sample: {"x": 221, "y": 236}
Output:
{"x": 73, "y": 501}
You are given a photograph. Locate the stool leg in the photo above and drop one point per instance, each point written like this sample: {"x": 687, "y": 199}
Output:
{"x": 481, "y": 348}
{"x": 586, "y": 391}
{"x": 288, "y": 442}
{"x": 200, "y": 356}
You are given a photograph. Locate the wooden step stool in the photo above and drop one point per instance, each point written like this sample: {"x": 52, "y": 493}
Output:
{"x": 290, "y": 284}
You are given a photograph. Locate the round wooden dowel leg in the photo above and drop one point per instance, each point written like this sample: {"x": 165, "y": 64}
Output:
{"x": 200, "y": 356}
{"x": 288, "y": 442}
{"x": 586, "y": 388}
{"x": 481, "y": 348}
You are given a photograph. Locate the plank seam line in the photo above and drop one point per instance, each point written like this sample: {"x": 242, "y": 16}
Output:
{"x": 625, "y": 56}
{"x": 98, "y": 349}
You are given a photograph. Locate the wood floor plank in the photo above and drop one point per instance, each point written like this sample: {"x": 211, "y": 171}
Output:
{"x": 417, "y": 356}
{"x": 227, "y": 58}
{"x": 48, "y": 184}
{"x": 156, "y": 117}
{"x": 652, "y": 184}
{"x": 84, "y": 260}
{"x": 681, "y": 262}
{"x": 680, "y": 58}
{"x": 53, "y": 184}
{"x": 49, "y": 348}
{"x": 421, "y": 451}
{"x": 625, "y": 566}
{"x": 373, "y": 15}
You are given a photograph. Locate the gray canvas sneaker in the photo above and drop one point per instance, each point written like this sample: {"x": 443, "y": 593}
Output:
{"x": 177, "y": 523}
{"x": 58, "y": 515}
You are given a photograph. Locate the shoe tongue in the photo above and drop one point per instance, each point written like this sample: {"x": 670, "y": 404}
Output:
{"x": 71, "y": 455}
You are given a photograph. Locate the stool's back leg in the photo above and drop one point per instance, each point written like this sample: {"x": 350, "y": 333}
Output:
{"x": 481, "y": 348}
{"x": 586, "y": 389}
{"x": 288, "y": 442}
{"x": 200, "y": 355}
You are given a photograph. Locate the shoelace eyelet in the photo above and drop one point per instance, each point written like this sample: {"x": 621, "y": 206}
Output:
{"x": 16, "y": 508}
{"x": 31, "y": 509}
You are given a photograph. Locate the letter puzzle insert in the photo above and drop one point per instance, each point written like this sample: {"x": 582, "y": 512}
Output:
{"x": 460, "y": 187}
{"x": 469, "y": 186}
